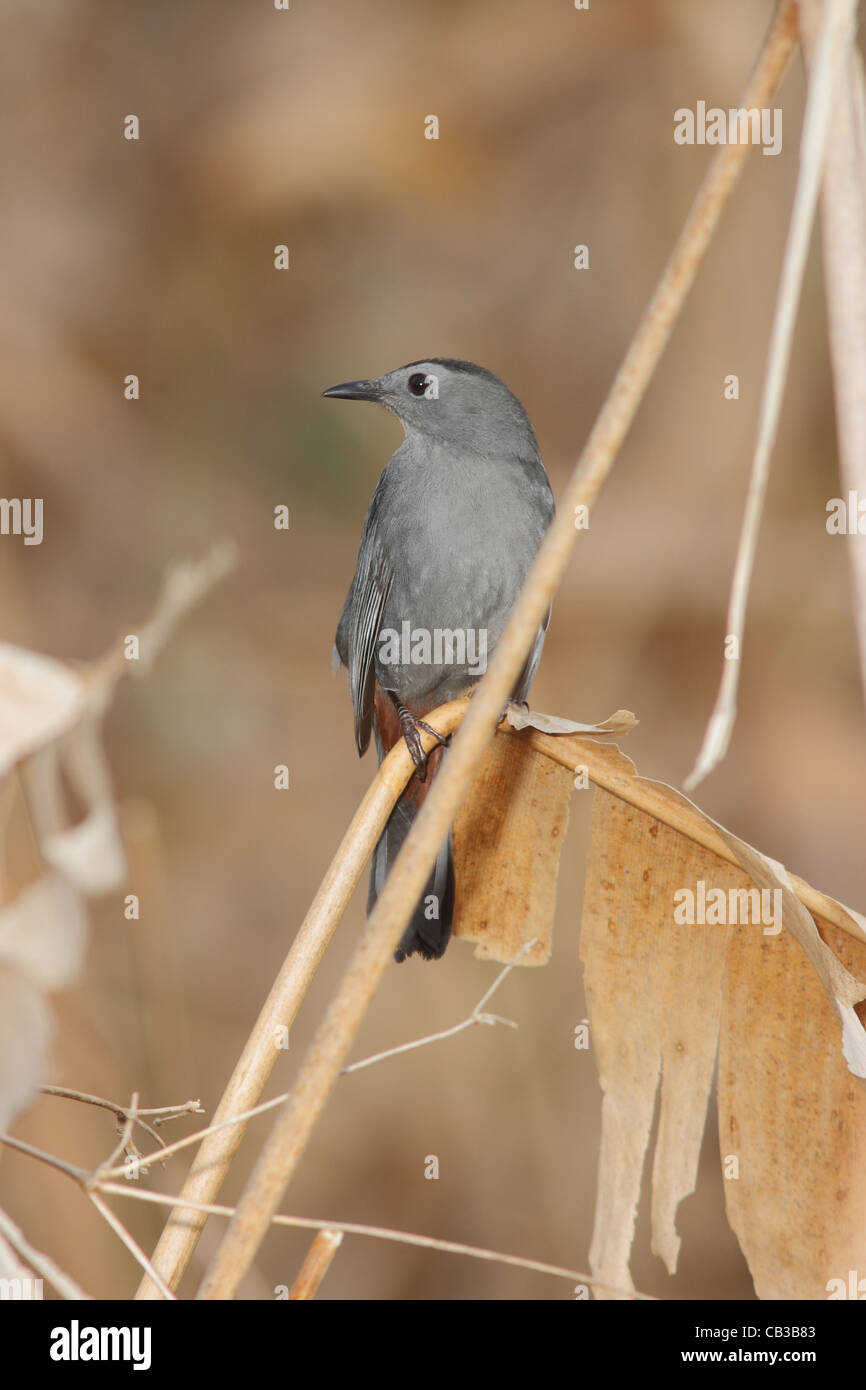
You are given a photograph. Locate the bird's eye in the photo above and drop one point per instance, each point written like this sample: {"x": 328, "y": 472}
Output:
{"x": 418, "y": 383}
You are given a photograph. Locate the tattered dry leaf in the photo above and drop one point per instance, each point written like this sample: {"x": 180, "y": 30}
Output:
{"x": 617, "y": 724}
{"x": 658, "y": 993}
{"x": 792, "y": 1119}
{"x": 653, "y": 991}
{"x": 843, "y": 990}
{"x": 507, "y": 843}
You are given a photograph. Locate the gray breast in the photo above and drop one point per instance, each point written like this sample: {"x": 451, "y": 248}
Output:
{"x": 460, "y": 536}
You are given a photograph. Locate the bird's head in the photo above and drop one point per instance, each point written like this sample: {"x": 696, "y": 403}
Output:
{"x": 452, "y": 403}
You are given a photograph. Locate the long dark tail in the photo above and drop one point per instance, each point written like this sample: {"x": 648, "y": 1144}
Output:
{"x": 429, "y": 929}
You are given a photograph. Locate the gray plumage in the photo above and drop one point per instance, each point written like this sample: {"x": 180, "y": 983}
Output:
{"x": 453, "y": 527}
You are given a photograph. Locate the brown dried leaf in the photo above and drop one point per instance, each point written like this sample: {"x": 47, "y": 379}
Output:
{"x": 507, "y": 843}
{"x": 792, "y": 1117}
{"x": 650, "y": 1016}
{"x": 843, "y": 990}
{"x": 658, "y": 993}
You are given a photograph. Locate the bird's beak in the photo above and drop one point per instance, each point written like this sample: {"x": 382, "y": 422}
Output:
{"x": 355, "y": 391}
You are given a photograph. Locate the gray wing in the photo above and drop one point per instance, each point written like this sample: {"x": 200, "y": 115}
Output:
{"x": 358, "y": 633}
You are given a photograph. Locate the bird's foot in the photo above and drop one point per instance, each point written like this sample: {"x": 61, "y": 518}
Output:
{"x": 410, "y": 725}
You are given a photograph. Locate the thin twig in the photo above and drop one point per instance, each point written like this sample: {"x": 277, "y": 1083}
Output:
{"x": 165, "y": 1112}
{"x": 123, "y": 1145}
{"x": 70, "y": 1169}
{"x": 320, "y": 1068}
{"x": 833, "y": 46}
{"x": 128, "y": 1116}
{"x": 129, "y": 1241}
{"x": 476, "y": 1016}
{"x": 448, "y": 1247}
{"x": 105, "y": 1185}
{"x": 135, "y": 1165}
{"x": 89, "y": 1181}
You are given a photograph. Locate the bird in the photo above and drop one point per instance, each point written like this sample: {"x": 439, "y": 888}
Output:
{"x": 454, "y": 524}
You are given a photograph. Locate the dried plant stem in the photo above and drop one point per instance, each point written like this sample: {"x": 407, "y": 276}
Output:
{"x": 129, "y": 1241}
{"x": 90, "y": 1182}
{"x": 133, "y": 1167}
{"x": 316, "y": 1265}
{"x": 448, "y": 1247}
{"x": 321, "y": 1066}
{"x": 71, "y": 1170}
{"x": 833, "y": 46}
{"x": 165, "y": 1112}
{"x": 106, "y": 1186}
{"x": 129, "y": 1116}
{"x": 123, "y": 1144}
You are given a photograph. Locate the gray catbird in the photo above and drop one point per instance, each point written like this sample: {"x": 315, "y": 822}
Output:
{"x": 456, "y": 519}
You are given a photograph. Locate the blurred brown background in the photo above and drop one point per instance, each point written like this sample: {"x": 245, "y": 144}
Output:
{"x": 156, "y": 257}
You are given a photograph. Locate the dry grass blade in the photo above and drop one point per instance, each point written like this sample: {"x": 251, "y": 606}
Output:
{"x": 833, "y": 48}
{"x": 843, "y": 222}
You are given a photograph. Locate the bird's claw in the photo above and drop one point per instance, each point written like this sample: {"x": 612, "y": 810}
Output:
{"x": 410, "y": 725}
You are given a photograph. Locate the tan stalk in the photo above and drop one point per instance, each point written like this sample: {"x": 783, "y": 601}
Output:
{"x": 316, "y": 1265}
